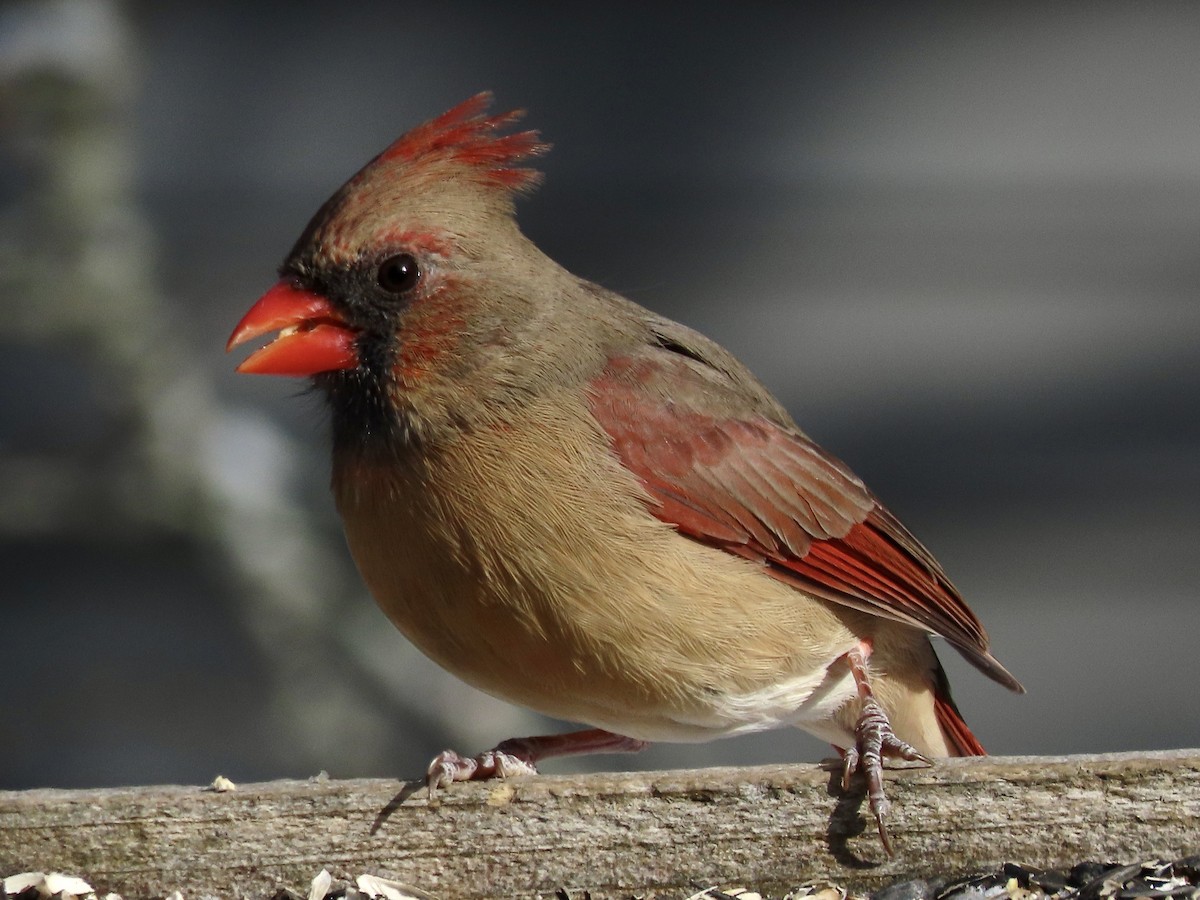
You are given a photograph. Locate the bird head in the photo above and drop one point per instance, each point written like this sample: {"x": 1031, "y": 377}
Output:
{"x": 411, "y": 277}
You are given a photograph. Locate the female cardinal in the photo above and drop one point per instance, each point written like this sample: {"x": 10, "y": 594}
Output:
{"x": 587, "y": 509}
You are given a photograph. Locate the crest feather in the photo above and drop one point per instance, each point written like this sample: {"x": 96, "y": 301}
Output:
{"x": 466, "y": 134}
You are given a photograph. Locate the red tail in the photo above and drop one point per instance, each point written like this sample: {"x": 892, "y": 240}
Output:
{"x": 958, "y": 735}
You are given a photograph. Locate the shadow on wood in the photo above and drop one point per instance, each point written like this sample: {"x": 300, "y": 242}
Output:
{"x": 771, "y": 827}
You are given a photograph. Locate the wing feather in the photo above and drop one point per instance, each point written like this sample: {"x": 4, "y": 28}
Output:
{"x": 759, "y": 488}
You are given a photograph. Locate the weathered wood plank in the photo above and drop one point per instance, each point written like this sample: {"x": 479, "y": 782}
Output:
{"x": 769, "y": 827}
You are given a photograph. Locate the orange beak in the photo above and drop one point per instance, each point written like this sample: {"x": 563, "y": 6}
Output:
{"x": 313, "y": 336}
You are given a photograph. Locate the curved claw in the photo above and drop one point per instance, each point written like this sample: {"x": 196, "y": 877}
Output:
{"x": 445, "y": 769}
{"x": 519, "y": 756}
{"x": 873, "y": 740}
{"x": 448, "y": 767}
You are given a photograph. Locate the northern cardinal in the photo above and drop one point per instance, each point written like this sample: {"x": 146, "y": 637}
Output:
{"x": 582, "y": 507}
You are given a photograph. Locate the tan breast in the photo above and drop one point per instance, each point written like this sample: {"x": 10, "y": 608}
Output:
{"x": 522, "y": 559}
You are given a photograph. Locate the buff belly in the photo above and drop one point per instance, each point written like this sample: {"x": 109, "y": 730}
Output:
{"x": 600, "y": 614}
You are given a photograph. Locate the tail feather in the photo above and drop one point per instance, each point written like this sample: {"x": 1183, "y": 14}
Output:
{"x": 958, "y": 736}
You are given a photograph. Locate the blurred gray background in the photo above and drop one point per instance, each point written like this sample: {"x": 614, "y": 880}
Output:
{"x": 961, "y": 242}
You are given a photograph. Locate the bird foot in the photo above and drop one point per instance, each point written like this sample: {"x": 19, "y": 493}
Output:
{"x": 519, "y": 756}
{"x": 874, "y": 740}
{"x": 503, "y": 761}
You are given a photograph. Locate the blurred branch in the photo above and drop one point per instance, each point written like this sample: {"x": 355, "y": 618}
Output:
{"x": 148, "y": 450}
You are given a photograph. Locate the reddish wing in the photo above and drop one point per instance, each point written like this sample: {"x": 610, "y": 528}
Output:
{"x": 761, "y": 490}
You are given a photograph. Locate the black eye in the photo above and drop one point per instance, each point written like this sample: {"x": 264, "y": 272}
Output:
{"x": 398, "y": 273}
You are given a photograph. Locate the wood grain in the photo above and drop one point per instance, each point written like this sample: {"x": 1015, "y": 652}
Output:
{"x": 649, "y": 833}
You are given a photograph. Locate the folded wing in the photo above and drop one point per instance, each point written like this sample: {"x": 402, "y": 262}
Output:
{"x": 756, "y": 487}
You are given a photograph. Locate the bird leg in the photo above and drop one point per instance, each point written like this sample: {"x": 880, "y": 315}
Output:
{"x": 519, "y": 756}
{"x": 873, "y": 740}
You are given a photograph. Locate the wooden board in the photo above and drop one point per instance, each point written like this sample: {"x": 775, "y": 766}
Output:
{"x": 771, "y": 828}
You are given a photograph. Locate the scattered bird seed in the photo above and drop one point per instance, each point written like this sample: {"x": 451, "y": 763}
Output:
{"x": 1149, "y": 880}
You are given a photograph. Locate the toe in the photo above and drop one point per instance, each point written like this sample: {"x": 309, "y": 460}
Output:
{"x": 446, "y": 768}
